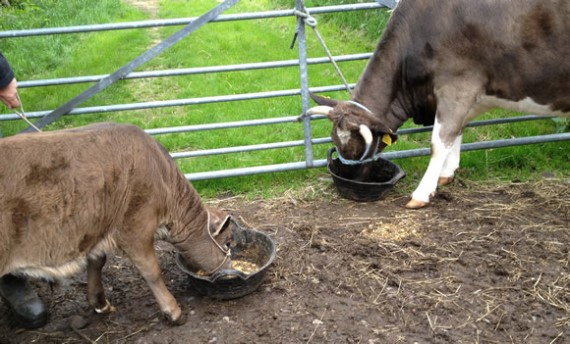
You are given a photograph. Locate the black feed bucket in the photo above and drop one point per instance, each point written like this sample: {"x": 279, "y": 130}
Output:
{"x": 250, "y": 245}
{"x": 366, "y": 182}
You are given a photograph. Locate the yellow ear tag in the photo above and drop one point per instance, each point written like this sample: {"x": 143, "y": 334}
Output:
{"x": 387, "y": 139}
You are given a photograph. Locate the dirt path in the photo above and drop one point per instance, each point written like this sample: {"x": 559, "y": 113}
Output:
{"x": 483, "y": 264}
{"x": 149, "y": 6}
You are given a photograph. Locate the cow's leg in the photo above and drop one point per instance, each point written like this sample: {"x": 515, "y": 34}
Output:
{"x": 456, "y": 100}
{"x": 439, "y": 153}
{"x": 138, "y": 244}
{"x": 451, "y": 163}
{"x": 95, "y": 292}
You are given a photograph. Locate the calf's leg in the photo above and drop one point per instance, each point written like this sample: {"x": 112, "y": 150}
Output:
{"x": 95, "y": 292}
{"x": 138, "y": 244}
{"x": 147, "y": 264}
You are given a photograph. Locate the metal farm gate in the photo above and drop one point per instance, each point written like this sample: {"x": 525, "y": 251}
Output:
{"x": 304, "y": 20}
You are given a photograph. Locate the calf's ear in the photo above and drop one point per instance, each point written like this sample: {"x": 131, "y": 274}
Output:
{"x": 223, "y": 226}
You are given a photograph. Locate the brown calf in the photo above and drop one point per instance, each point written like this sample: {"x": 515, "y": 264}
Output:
{"x": 68, "y": 197}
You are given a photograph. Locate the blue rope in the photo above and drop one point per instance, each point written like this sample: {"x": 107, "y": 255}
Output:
{"x": 374, "y": 157}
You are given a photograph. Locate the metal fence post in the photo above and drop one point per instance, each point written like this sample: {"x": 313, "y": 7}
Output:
{"x": 304, "y": 74}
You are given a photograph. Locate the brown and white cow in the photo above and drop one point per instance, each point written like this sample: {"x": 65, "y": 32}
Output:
{"x": 444, "y": 63}
{"x": 68, "y": 197}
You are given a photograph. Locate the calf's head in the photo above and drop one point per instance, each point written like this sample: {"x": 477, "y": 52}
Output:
{"x": 356, "y": 130}
{"x": 210, "y": 252}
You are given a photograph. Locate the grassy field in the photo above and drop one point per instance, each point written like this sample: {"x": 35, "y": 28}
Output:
{"x": 55, "y": 56}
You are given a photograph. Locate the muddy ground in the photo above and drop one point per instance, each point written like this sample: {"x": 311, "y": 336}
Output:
{"x": 483, "y": 264}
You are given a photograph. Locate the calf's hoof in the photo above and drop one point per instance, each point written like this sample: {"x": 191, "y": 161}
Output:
{"x": 444, "y": 181}
{"x": 108, "y": 308}
{"x": 415, "y": 204}
{"x": 176, "y": 322}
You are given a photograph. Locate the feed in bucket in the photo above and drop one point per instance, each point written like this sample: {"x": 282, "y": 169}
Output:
{"x": 239, "y": 265}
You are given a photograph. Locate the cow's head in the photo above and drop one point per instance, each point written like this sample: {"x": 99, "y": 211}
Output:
{"x": 356, "y": 130}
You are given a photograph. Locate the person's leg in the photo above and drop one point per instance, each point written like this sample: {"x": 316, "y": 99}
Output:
{"x": 29, "y": 310}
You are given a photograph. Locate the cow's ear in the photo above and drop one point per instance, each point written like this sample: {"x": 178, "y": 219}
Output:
{"x": 388, "y": 139}
{"x": 323, "y": 100}
{"x": 385, "y": 134}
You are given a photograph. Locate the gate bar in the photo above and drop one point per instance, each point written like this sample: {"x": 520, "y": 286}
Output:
{"x": 389, "y": 155}
{"x": 182, "y": 21}
{"x": 177, "y": 102}
{"x": 195, "y": 70}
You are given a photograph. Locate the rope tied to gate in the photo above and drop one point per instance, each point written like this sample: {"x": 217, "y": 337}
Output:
{"x": 307, "y": 18}
{"x": 311, "y": 21}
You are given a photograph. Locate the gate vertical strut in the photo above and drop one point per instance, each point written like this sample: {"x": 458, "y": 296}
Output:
{"x": 304, "y": 74}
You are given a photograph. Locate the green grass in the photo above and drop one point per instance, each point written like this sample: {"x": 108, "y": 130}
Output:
{"x": 57, "y": 56}
{"x": 223, "y": 43}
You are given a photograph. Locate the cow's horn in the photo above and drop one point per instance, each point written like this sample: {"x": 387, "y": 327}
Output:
{"x": 366, "y": 134}
{"x": 319, "y": 110}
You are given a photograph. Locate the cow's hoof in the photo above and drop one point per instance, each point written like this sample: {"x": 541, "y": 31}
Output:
{"x": 415, "y": 204}
{"x": 444, "y": 181}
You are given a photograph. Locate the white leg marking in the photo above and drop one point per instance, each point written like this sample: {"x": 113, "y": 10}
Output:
{"x": 439, "y": 155}
{"x": 452, "y": 162}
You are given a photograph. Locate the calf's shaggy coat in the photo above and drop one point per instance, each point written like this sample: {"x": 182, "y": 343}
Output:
{"x": 68, "y": 197}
